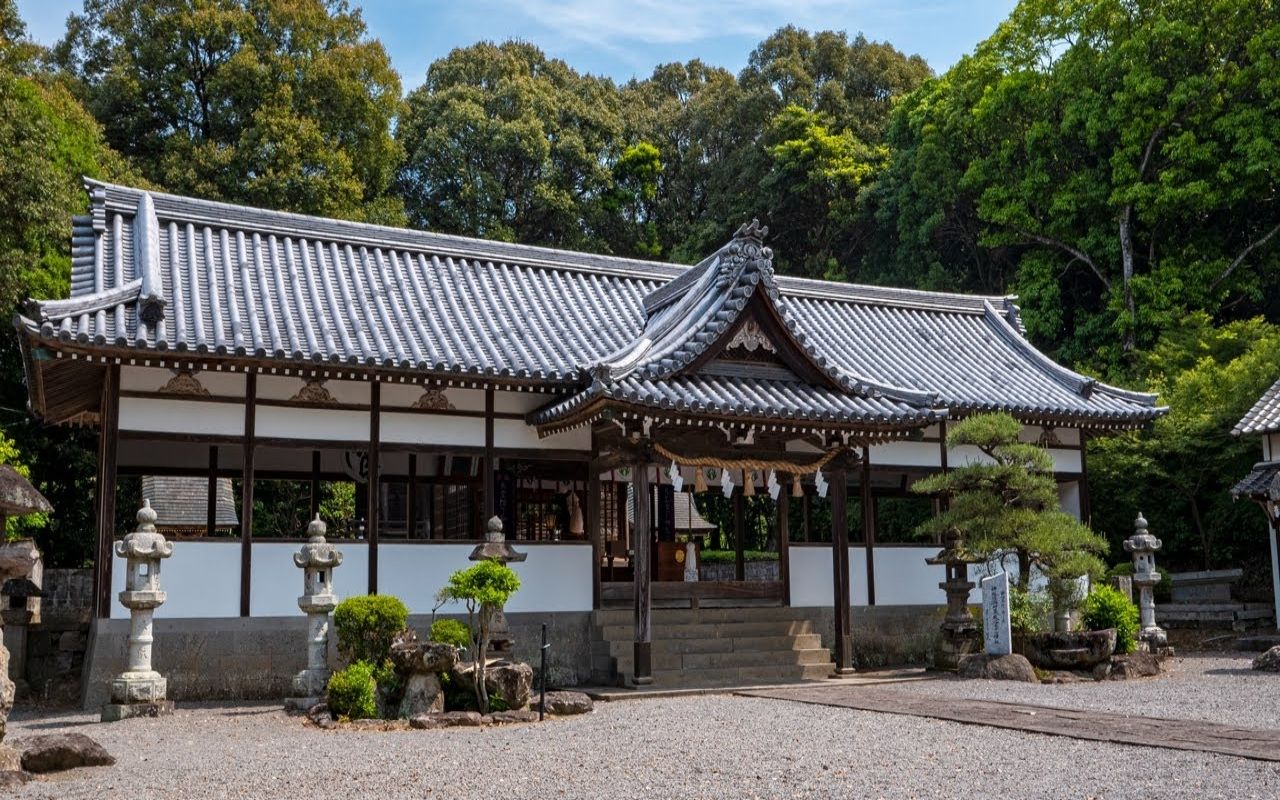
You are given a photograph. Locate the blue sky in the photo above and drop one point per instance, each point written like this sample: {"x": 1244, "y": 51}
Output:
{"x": 627, "y": 38}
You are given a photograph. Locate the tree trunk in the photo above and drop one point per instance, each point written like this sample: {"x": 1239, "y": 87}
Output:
{"x": 1204, "y": 535}
{"x": 482, "y": 647}
{"x": 1024, "y": 570}
{"x": 1126, "y": 259}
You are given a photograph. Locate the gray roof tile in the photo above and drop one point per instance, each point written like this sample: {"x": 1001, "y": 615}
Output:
{"x": 1264, "y": 417}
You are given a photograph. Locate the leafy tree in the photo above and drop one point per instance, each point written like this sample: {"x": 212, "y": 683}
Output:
{"x": 484, "y": 589}
{"x": 505, "y": 143}
{"x": 1007, "y": 505}
{"x": 1179, "y": 472}
{"x": 279, "y": 103}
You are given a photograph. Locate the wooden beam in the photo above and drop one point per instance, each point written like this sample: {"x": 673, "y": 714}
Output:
{"x": 642, "y": 544}
{"x": 1086, "y": 510}
{"x": 843, "y": 639}
{"x": 784, "y": 542}
{"x": 869, "y": 525}
{"x": 211, "y": 502}
{"x": 108, "y": 440}
{"x": 595, "y": 531}
{"x": 371, "y": 509}
{"x": 490, "y": 501}
{"x": 411, "y": 498}
{"x": 246, "y": 490}
{"x": 315, "y": 485}
{"x": 739, "y": 547}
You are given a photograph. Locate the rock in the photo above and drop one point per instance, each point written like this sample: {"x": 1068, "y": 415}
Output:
{"x": 511, "y": 681}
{"x": 319, "y": 714}
{"x": 6, "y": 688}
{"x": 1134, "y": 665}
{"x": 566, "y": 703}
{"x": 13, "y": 778}
{"x": 53, "y": 752}
{"x": 447, "y": 719}
{"x": 10, "y": 759}
{"x": 423, "y": 694}
{"x": 412, "y": 657}
{"x": 1011, "y": 667}
{"x": 1081, "y": 650}
{"x": 510, "y": 717}
{"x": 1268, "y": 661}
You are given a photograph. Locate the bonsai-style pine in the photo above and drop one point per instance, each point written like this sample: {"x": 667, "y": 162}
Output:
{"x": 484, "y": 589}
{"x": 1007, "y": 507}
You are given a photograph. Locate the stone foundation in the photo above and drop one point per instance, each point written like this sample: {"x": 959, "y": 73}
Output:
{"x": 256, "y": 658}
{"x": 887, "y": 636}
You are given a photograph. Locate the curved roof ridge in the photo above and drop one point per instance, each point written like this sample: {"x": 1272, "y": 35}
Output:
{"x": 50, "y": 310}
{"x": 1081, "y": 384}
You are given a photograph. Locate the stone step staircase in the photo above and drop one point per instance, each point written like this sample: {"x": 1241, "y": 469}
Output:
{"x": 708, "y": 647}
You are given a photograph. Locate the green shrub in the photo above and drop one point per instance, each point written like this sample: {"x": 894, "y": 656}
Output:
{"x": 451, "y": 631}
{"x": 1163, "y": 590}
{"x": 1028, "y": 612}
{"x": 1107, "y": 607}
{"x": 352, "y": 692}
{"x": 366, "y": 626}
{"x": 731, "y": 556}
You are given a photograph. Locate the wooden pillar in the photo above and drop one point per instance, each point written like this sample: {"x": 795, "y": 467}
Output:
{"x": 739, "y": 554}
{"x": 315, "y": 484}
{"x": 843, "y": 651}
{"x": 595, "y": 531}
{"x": 246, "y": 489}
{"x": 784, "y": 544}
{"x": 108, "y": 439}
{"x": 211, "y": 502}
{"x": 1086, "y": 511}
{"x": 411, "y": 499}
{"x": 869, "y": 525}
{"x": 375, "y": 477}
{"x": 490, "y": 502}
{"x": 641, "y": 546}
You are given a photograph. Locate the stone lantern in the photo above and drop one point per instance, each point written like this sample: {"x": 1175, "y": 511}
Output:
{"x": 140, "y": 691}
{"x": 317, "y": 559}
{"x": 959, "y": 631}
{"x": 495, "y": 548}
{"x": 19, "y": 559}
{"x": 1143, "y": 546}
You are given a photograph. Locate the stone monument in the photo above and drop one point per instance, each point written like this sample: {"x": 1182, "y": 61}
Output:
{"x": 16, "y": 560}
{"x": 317, "y": 559}
{"x": 1143, "y": 545}
{"x": 495, "y": 548}
{"x": 140, "y": 691}
{"x": 995, "y": 615}
{"x": 959, "y": 630}
{"x": 690, "y": 562}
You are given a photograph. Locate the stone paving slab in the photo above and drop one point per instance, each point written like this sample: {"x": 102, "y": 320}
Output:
{"x": 1176, "y": 734}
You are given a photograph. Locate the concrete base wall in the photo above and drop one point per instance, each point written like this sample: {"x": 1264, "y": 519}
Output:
{"x": 255, "y": 658}
{"x": 886, "y": 636}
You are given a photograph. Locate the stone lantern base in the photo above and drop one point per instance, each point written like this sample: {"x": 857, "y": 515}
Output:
{"x": 309, "y": 688}
{"x": 137, "y": 694}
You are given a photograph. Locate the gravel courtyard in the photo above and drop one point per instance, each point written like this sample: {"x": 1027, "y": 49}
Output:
{"x": 697, "y": 747}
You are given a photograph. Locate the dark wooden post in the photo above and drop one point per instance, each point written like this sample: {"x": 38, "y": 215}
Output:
{"x": 211, "y": 502}
{"x": 641, "y": 546}
{"x": 839, "y": 484}
{"x": 490, "y": 502}
{"x": 411, "y": 499}
{"x": 784, "y": 544}
{"x": 739, "y": 555}
{"x": 246, "y": 489}
{"x": 375, "y": 477}
{"x": 595, "y": 531}
{"x": 108, "y": 439}
{"x": 869, "y": 525}
{"x": 1086, "y": 511}
{"x": 315, "y": 483}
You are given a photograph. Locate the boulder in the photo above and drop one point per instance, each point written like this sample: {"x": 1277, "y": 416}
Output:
{"x": 447, "y": 719}
{"x": 1268, "y": 661}
{"x": 52, "y": 752}
{"x": 13, "y": 778}
{"x": 1070, "y": 650}
{"x": 512, "y": 717}
{"x": 511, "y": 681}
{"x": 423, "y": 694}
{"x": 565, "y": 703}
{"x": 411, "y": 657}
{"x": 1012, "y": 667}
{"x": 10, "y": 758}
{"x": 1134, "y": 665}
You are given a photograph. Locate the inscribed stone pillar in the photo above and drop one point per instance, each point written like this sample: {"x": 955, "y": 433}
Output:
{"x": 140, "y": 691}
{"x": 317, "y": 559}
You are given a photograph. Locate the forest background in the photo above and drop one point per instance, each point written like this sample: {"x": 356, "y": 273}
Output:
{"x": 1115, "y": 164}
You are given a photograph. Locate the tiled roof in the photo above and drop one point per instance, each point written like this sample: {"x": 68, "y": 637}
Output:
{"x": 1262, "y": 482}
{"x": 162, "y": 273}
{"x": 1264, "y": 417}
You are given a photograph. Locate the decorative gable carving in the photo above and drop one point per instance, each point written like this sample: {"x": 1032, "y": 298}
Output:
{"x": 433, "y": 400}
{"x": 751, "y": 337}
{"x": 184, "y": 384}
{"x": 313, "y": 392}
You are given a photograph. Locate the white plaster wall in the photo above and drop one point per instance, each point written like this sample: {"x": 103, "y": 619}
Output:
{"x": 904, "y": 579}
{"x": 1066, "y": 460}
{"x": 515, "y": 433}
{"x": 201, "y": 579}
{"x": 811, "y": 584}
{"x": 275, "y": 583}
{"x": 907, "y": 454}
{"x": 152, "y": 379}
{"x": 437, "y": 429}
{"x": 311, "y": 423}
{"x": 181, "y": 416}
{"x": 1069, "y": 497}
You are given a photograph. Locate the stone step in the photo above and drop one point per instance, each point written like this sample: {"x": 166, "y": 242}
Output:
{"x": 698, "y": 661}
{"x": 681, "y": 616}
{"x": 750, "y": 644}
{"x": 710, "y": 630}
{"x": 742, "y": 676}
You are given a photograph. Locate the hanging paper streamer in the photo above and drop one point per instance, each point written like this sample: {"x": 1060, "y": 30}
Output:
{"x": 677, "y": 480}
{"x": 775, "y": 488}
{"x": 726, "y": 483}
{"x": 820, "y": 481}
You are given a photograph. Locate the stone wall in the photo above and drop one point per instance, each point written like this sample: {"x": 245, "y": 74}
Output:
{"x": 56, "y": 647}
{"x": 753, "y": 571}
{"x": 255, "y": 658}
{"x": 886, "y": 636}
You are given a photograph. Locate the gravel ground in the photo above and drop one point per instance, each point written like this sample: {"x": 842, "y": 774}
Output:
{"x": 698, "y": 747}
{"x": 1218, "y": 688}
